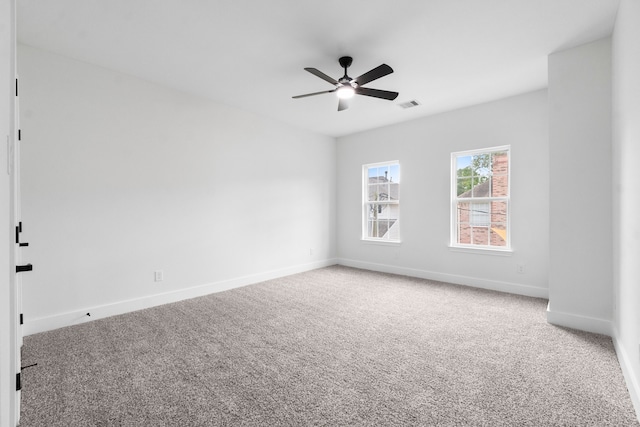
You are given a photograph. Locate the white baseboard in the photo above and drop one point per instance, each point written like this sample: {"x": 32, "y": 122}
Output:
{"x": 48, "y": 323}
{"x": 627, "y": 371}
{"x": 494, "y": 285}
{"x": 576, "y": 321}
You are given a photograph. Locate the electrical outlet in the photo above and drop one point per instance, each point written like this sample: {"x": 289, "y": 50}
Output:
{"x": 520, "y": 268}
{"x": 158, "y": 276}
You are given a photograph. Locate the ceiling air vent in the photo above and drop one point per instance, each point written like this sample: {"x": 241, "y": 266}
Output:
{"x": 409, "y": 104}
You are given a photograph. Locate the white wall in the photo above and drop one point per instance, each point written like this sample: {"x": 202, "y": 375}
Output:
{"x": 626, "y": 152}
{"x": 424, "y": 149}
{"x": 580, "y": 272}
{"x": 122, "y": 177}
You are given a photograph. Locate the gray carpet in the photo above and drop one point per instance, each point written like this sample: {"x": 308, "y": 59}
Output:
{"x": 331, "y": 347}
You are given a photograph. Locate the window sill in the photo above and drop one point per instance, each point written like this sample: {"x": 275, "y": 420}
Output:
{"x": 381, "y": 242}
{"x": 481, "y": 250}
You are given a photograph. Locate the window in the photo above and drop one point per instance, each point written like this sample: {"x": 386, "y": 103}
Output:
{"x": 381, "y": 202}
{"x": 480, "y": 199}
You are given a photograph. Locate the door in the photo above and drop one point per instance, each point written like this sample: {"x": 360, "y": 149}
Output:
{"x": 16, "y": 282}
{"x": 11, "y": 331}
{"x": 19, "y": 244}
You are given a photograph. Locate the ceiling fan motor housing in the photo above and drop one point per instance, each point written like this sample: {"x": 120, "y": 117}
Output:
{"x": 345, "y": 62}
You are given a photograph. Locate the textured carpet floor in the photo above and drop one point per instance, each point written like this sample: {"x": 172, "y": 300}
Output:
{"x": 336, "y": 347}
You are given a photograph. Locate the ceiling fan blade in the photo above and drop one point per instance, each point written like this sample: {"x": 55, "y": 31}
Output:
{"x": 322, "y": 75}
{"x": 374, "y": 74}
{"x": 314, "y": 93}
{"x": 343, "y": 104}
{"x": 377, "y": 93}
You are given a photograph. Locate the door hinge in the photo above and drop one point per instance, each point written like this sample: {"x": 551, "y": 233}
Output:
{"x": 18, "y": 382}
{"x": 21, "y": 319}
{"x": 18, "y": 231}
{"x": 19, "y": 135}
{"x": 16, "y": 87}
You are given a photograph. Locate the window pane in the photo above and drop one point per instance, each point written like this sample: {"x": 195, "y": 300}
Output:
{"x": 464, "y": 212}
{"x": 498, "y": 234}
{"x": 480, "y": 235}
{"x": 500, "y": 163}
{"x": 372, "y": 191}
{"x": 383, "y": 227}
{"x": 393, "y": 191}
{"x": 375, "y": 191}
{"x": 464, "y": 234}
{"x": 376, "y": 228}
{"x": 394, "y": 230}
{"x": 372, "y": 183}
{"x": 500, "y": 170}
{"x": 394, "y": 173}
{"x": 464, "y": 187}
{"x": 374, "y": 211}
{"x": 383, "y": 211}
{"x": 383, "y": 191}
{"x": 480, "y": 214}
{"x": 463, "y": 166}
{"x": 481, "y": 186}
{"x": 383, "y": 173}
{"x": 500, "y": 185}
{"x": 371, "y": 229}
{"x": 481, "y": 164}
{"x": 499, "y": 212}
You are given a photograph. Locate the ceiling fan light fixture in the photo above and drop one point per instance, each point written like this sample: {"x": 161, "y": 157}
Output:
{"x": 345, "y": 92}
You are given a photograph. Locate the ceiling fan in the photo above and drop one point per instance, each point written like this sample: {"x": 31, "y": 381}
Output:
{"x": 346, "y": 87}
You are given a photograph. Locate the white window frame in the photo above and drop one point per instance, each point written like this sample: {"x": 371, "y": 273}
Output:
{"x": 455, "y": 200}
{"x": 367, "y": 203}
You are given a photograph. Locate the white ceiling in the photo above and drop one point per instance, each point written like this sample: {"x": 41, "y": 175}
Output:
{"x": 249, "y": 53}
